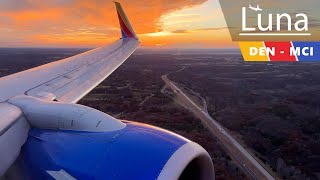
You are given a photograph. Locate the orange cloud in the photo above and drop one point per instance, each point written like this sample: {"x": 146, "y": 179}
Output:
{"x": 88, "y": 22}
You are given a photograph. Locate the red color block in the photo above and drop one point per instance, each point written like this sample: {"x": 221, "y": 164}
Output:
{"x": 282, "y": 52}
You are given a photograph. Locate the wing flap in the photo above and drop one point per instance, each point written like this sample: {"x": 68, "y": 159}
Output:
{"x": 72, "y": 86}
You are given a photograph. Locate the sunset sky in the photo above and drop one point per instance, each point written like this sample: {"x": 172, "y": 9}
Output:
{"x": 93, "y": 23}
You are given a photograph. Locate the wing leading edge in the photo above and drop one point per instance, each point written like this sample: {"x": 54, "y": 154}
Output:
{"x": 70, "y": 79}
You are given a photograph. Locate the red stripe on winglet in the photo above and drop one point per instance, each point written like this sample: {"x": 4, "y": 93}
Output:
{"x": 124, "y": 27}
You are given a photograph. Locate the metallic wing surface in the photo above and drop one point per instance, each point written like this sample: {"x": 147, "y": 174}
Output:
{"x": 45, "y": 134}
{"x": 70, "y": 79}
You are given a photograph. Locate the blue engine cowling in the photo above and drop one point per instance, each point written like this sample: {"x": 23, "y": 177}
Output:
{"x": 137, "y": 152}
{"x": 71, "y": 141}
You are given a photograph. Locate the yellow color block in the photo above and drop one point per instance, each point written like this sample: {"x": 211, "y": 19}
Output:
{"x": 245, "y": 49}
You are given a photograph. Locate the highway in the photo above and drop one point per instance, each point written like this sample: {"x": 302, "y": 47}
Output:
{"x": 239, "y": 153}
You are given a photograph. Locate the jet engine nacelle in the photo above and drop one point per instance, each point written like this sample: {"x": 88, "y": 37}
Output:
{"x": 82, "y": 143}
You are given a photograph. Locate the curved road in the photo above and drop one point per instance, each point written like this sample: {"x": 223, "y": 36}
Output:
{"x": 244, "y": 158}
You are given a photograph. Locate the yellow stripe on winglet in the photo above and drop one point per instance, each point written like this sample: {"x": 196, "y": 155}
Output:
{"x": 245, "y": 49}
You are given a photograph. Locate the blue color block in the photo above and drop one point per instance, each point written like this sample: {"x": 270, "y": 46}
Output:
{"x": 316, "y": 51}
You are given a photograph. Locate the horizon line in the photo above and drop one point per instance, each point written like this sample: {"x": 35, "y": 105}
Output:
{"x": 146, "y": 47}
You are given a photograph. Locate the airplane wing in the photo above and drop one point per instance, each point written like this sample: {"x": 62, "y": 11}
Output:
{"x": 66, "y": 81}
{"x": 71, "y": 79}
{"x": 63, "y": 140}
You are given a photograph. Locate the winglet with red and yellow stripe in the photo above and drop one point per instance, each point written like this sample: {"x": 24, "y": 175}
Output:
{"x": 126, "y": 28}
